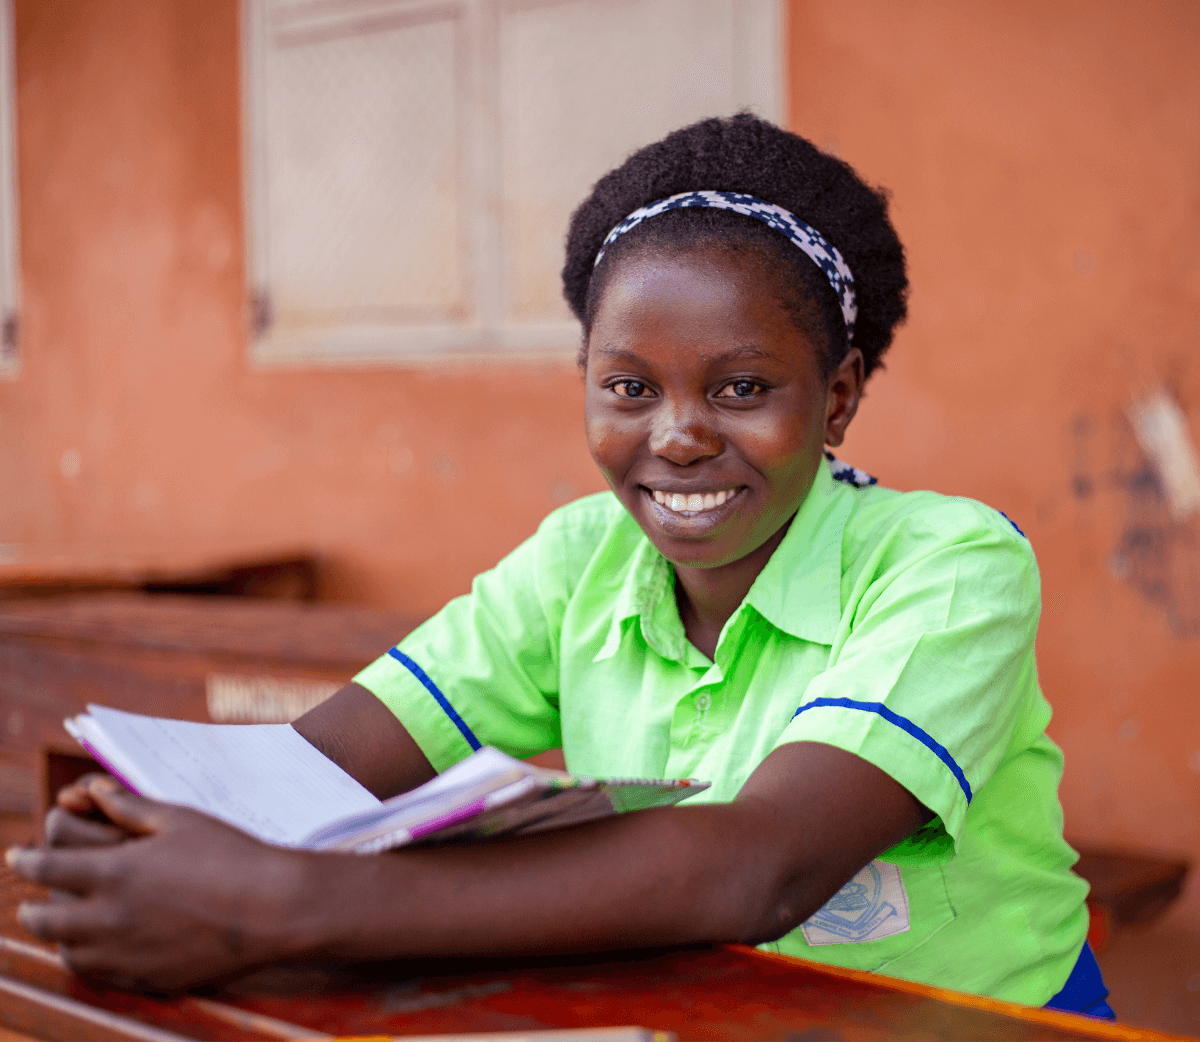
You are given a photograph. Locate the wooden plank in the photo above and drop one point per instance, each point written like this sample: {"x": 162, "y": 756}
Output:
{"x": 232, "y": 626}
{"x": 25, "y": 958}
{"x": 293, "y": 576}
{"x": 56, "y": 1017}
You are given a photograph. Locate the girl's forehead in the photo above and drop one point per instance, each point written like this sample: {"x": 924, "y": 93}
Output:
{"x": 689, "y": 285}
{"x": 695, "y": 307}
{"x": 726, "y": 258}
{"x": 702, "y": 276}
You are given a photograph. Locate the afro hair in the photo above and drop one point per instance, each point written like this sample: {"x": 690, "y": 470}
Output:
{"x": 747, "y": 154}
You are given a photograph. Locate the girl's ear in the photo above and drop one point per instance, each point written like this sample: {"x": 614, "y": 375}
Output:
{"x": 841, "y": 402}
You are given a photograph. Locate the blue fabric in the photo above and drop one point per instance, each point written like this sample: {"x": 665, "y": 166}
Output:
{"x": 1013, "y": 523}
{"x": 441, "y": 699}
{"x": 1084, "y": 991}
{"x": 926, "y": 739}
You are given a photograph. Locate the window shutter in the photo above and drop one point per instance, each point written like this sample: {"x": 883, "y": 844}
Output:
{"x": 413, "y": 164}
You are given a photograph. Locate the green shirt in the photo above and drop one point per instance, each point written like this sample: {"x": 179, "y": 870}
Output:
{"x": 897, "y": 626}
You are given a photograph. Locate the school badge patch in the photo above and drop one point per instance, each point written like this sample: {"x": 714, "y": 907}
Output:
{"x": 873, "y": 905}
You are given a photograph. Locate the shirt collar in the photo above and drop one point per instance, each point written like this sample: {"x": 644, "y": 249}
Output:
{"x": 799, "y": 591}
{"x": 648, "y": 594}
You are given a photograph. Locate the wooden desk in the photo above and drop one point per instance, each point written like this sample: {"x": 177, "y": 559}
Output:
{"x": 725, "y": 992}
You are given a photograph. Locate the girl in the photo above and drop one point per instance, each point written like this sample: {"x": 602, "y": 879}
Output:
{"x": 852, "y": 667}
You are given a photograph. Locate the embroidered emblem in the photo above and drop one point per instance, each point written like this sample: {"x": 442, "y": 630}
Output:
{"x": 873, "y": 905}
{"x": 850, "y": 475}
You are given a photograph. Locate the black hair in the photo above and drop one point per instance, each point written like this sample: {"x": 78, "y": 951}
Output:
{"x": 747, "y": 154}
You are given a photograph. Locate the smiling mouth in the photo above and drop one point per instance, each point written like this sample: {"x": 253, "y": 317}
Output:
{"x": 694, "y": 503}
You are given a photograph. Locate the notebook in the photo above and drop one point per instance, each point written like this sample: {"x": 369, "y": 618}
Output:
{"x": 267, "y": 780}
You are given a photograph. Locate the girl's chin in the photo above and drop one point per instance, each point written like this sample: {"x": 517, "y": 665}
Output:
{"x": 691, "y": 545}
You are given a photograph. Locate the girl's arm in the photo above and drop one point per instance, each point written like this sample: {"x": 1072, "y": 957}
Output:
{"x": 193, "y": 900}
{"x": 364, "y": 738}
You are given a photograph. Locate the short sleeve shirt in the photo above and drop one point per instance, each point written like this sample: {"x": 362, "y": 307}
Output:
{"x": 897, "y": 626}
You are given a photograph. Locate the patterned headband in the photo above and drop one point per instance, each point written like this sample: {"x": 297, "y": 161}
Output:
{"x": 822, "y": 252}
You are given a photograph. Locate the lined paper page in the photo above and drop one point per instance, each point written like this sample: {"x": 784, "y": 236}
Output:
{"x": 262, "y": 778}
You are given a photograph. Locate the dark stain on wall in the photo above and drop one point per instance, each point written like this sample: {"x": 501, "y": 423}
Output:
{"x": 1153, "y": 552}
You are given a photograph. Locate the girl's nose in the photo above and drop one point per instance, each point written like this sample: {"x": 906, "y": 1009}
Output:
{"x": 683, "y": 435}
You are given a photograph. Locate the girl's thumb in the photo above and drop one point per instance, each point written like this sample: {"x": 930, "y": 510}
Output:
{"x": 134, "y": 813}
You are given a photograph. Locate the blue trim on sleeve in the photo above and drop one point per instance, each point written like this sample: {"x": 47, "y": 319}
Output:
{"x": 905, "y": 725}
{"x": 441, "y": 699}
{"x": 1013, "y": 523}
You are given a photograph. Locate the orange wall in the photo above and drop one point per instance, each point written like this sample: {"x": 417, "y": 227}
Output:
{"x": 135, "y": 355}
{"x": 1044, "y": 161}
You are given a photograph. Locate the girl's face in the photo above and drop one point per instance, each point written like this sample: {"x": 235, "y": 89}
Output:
{"x": 705, "y": 406}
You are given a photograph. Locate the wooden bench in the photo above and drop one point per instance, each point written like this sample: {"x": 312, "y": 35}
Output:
{"x": 221, "y": 659}
{"x": 288, "y": 577}
{"x": 1128, "y": 888}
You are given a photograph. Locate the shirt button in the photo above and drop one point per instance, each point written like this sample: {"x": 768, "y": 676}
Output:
{"x": 703, "y": 702}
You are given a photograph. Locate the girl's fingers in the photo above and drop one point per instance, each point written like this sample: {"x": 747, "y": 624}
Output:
{"x": 66, "y": 922}
{"x": 135, "y": 814}
{"x": 77, "y": 797}
{"x": 64, "y": 829}
{"x": 75, "y": 871}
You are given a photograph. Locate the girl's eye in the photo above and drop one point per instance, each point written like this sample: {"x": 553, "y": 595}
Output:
{"x": 740, "y": 389}
{"x": 631, "y": 389}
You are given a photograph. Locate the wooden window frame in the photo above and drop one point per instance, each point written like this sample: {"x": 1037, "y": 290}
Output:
{"x": 10, "y": 358}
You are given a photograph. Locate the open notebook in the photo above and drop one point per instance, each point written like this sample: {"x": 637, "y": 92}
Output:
{"x": 268, "y": 781}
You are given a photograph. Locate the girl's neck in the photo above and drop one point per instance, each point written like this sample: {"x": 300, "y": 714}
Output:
{"x": 708, "y": 597}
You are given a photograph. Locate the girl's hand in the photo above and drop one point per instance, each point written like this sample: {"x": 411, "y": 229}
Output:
{"x": 77, "y": 820}
{"x": 186, "y": 900}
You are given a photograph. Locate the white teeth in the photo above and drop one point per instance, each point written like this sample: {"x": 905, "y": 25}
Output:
{"x": 694, "y": 503}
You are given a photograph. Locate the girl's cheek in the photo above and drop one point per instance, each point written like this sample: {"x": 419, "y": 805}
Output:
{"x": 784, "y": 439}
{"x": 608, "y": 447}
{"x": 774, "y": 446}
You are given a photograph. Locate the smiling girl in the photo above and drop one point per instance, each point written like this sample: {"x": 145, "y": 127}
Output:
{"x": 852, "y": 667}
